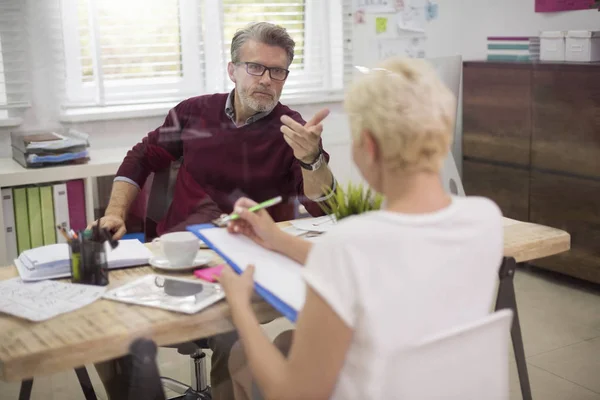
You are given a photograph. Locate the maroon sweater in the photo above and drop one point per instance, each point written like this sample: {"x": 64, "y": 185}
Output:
{"x": 220, "y": 162}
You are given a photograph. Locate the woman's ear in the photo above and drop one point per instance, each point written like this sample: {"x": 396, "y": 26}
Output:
{"x": 371, "y": 146}
{"x": 230, "y": 70}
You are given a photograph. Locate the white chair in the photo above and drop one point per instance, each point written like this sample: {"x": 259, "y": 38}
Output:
{"x": 470, "y": 362}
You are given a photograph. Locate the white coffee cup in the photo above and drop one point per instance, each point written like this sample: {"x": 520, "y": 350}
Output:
{"x": 180, "y": 248}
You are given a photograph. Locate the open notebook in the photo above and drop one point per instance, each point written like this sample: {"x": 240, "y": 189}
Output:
{"x": 52, "y": 261}
{"x": 277, "y": 278}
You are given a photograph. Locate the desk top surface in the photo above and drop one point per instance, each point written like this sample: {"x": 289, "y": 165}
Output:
{"x": 105, "y": 329}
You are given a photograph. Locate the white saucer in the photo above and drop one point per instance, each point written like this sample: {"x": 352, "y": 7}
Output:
{"x": 161, "y": 262}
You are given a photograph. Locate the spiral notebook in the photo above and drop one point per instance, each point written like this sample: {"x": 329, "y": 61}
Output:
{"x": 277, "y": 278}
{"x": 52, "y": 261}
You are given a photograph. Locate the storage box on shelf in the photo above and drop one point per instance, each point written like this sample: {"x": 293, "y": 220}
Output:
{"x": 583, "y": 46}
{"x": 552, "y": 46}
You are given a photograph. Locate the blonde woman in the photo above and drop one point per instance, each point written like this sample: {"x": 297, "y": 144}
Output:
{"x": 382, "y": 280}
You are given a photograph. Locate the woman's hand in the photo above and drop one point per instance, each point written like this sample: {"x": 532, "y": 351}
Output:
{"x": 258, "y": 225}
{"x": 238, "y": 288}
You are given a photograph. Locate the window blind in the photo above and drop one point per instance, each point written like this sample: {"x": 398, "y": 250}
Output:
{"x": 14, "y": 60}
{"x": 139, "y": 51}
{"x": 317, "y": 27}
{"x": 132, "y": 51}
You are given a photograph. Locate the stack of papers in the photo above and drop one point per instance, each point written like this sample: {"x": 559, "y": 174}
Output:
{"x": 52, "y": 261}
{"x": 40, "y": 301}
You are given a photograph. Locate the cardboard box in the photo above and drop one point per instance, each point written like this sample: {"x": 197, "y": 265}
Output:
{"x": 583, "y": 46}
{"x": 552, "y": 45}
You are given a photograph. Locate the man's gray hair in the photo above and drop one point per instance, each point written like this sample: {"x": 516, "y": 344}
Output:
{"x": 262, "y": 32}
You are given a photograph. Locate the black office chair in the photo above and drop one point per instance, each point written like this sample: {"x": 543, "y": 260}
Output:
{"x": 145, "y": 382}
{"x": 160, "y": 197}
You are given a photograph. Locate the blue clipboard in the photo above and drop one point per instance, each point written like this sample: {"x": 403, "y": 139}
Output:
{"x": 269, "y": 297}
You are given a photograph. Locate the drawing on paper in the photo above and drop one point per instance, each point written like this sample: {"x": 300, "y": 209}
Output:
{"x": 375, "y": 6}
{"x": 412, "y": 47}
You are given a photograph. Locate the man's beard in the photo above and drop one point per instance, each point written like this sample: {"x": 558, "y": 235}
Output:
{"x": 259, "y": 106}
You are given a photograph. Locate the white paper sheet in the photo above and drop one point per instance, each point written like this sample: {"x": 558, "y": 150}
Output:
{"x": 39, "y": 301}
{"x": 375, "y": 6}
{"x": 320, "y": 224}
{"x": 413, "y": 18}
{"x": 275, "y": 272}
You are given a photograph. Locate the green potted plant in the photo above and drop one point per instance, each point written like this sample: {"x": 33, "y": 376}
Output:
{"x": 352, "y": 200}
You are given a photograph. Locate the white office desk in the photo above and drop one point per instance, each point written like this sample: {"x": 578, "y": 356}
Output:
{"x": 102, "y": 162}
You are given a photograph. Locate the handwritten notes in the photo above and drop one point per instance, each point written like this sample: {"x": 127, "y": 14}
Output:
{"x": 40, "y": 301}
{"x": 375, "y": 6}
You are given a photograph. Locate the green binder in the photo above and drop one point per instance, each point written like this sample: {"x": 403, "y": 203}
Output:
{"x": 35, "y": 216}
{"x": 21, "y": 219}
{"x": 48, "y": 224}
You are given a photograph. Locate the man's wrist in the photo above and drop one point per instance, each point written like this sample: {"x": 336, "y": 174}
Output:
{"x": 115, "y": 212}
{"x": 311, "y": 158}
{"x": 314, "y": 163}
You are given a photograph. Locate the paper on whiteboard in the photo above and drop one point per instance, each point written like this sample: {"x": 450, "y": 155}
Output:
{"x": 375, "y": 6}
{"x": 412, "y": 47}
{"x": 39, "y": 301}
{"x": 413, "y": 18}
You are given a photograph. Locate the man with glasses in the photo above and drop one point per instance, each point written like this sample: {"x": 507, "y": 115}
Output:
{"x": 241, "y": 144}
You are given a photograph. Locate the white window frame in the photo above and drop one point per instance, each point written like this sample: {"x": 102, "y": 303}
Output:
{"x": 3, "y": 94}
{"x": 318, "y": 13}
{"x": 109, "y": 93}
{"x": 204, "y": 63}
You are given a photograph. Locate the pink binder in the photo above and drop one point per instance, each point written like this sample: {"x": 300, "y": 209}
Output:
{"x": 76, "y": 200}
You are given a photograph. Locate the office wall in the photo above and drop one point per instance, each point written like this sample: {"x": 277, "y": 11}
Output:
{"x": 463, "y": 25}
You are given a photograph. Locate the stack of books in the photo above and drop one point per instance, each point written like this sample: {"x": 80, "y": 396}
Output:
{"x": 513, "y": 48}
{"x": 41, "y": 149}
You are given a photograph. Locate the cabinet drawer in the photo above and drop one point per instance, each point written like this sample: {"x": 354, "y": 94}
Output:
{"x": 566, "y": 120}
{"x": 573, "y": 205}
{"x": 507, "y": 186}
{"x": 497, "y": 113}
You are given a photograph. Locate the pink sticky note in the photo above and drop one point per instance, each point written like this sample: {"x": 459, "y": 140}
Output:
{"x": 208, "y": 274}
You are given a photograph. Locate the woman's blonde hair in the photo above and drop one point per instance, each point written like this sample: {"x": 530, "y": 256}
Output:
{"x": 408, "y": 110}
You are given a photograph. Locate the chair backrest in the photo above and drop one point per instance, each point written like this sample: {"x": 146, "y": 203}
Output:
{"x": 470, "y": 362}
{"x": 160, "y": 197}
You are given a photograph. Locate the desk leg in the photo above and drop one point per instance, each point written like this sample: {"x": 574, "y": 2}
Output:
{"x": 86, "y": 384}
{"x": 507, "y": 299}
{"x": 25, "y": 392}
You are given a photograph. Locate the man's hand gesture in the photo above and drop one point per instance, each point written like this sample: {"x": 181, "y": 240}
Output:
{"x": 304, "y": 140}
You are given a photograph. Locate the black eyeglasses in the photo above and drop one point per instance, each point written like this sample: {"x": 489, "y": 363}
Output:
{"x": 277, "y": 74}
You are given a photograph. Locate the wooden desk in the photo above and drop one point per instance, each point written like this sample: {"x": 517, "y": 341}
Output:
{"x": 105, "y": 329}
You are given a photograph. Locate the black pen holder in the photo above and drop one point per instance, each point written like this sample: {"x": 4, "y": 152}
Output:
{"x": 88, "y": 261}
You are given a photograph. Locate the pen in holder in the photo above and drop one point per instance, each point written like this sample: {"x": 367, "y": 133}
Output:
{"x": 88, "y": 256}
